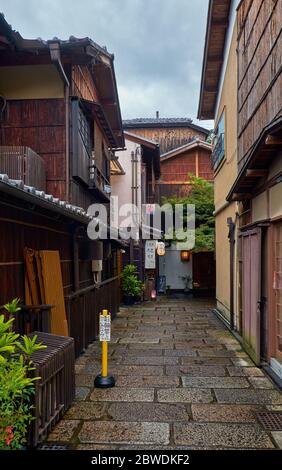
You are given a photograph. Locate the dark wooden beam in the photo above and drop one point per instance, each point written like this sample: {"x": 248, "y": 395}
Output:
{"x": 256, "y": 173}
{"x": 241, "y": 196}
{"x": 210, "y": 89}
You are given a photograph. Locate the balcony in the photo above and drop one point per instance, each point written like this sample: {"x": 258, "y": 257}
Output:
{"x": 218, "y": 151}
{"x": 22, "y": 163}
{"x": 99, "y": 183}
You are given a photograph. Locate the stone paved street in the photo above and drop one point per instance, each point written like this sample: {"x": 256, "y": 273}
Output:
{"x": 182, "y": 382}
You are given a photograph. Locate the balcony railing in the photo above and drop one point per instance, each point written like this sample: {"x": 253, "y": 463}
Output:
{"x": 22, "y": 163}
{"x": 99, "y": 181}
{"x": 218, "y": 151}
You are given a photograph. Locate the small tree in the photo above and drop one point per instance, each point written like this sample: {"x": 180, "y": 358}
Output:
{"x": 201, "y": 195}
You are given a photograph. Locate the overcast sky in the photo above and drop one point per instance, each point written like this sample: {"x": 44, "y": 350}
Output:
{"x": 158, "y": 45}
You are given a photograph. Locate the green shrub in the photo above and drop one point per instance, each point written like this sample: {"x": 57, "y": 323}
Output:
{"x": 17, "y": 384}
{"x": 131, "y": 285}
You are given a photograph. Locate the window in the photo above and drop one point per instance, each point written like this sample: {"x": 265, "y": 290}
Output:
{"x": 85, "y": 131}
{"x": 219, "y": 143}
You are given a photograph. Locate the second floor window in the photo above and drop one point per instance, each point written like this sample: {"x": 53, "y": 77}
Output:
{"x": 218, "y": 152}
{"x": 85, "y": 132}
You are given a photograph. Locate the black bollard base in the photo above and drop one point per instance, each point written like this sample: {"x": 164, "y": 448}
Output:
{"x": 104, "y": 382}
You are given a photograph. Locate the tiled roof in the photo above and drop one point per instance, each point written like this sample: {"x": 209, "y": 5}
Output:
{"x": 139, "y": 123}
{"x": 52, "y": 202}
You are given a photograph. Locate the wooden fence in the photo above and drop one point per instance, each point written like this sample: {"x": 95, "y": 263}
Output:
{"x": 83, "y": 309}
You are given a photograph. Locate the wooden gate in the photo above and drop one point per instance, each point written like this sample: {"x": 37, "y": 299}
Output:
{"x": 251, "y": 291}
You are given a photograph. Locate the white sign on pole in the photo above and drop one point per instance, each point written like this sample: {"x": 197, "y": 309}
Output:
{"x": 150, "y": 254}
{"x": 105, "y": 328}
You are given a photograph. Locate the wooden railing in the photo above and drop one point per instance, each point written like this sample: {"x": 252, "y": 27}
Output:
{"x": 22, "y": 163}
{"x": 83, "y": 309}
{"x": 98, "y": 180}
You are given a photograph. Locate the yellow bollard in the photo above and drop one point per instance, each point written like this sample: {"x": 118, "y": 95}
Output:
{"x": 104, "y": 380}
{"x": 104, "y": 352}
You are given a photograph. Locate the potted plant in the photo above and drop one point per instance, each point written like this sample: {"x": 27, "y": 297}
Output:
{"x": 17, "y": 385}
{"x": 132, "y": 287}
{"x": 187, "y": 283}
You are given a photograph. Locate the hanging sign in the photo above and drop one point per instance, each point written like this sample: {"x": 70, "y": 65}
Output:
{"x": 105, "y": 328}
{"x": 150, "y": 254}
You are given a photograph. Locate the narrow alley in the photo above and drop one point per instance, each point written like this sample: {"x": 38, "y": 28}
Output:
{"x": 182, "y": 382}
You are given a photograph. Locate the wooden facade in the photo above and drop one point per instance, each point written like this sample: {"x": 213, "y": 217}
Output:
{"x": 193, "y": 158}
{"x": 169, "y": 133}
{"x": 58, "y": 102}
{"x": 259, "y": 71}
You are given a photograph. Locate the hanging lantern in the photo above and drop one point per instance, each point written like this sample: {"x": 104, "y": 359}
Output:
{"x": 160, "y": 248}
{"x": 185, "y": 255}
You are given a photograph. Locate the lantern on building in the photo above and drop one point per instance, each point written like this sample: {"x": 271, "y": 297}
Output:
{"x": 160, "y": 249}
{"x": 185, "y": 255}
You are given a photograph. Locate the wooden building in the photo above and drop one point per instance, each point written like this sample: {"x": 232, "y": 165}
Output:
{"x": 138, "y": 185}
{"x": 169, "y": 133}
{"x": 194, "y": 157}
{"x": 60, "y": 124}
{"x": 257, "y": 186}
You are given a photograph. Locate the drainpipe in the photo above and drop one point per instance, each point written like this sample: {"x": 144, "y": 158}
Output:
{"x": 55, "y": 55}
{"x": 231, "y": 237}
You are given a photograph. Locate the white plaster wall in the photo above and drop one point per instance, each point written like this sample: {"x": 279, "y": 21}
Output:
{"x": 172, "y": 267}
{"x": 121, "y": 184}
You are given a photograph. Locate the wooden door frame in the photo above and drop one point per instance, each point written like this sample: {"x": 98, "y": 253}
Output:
{"x": 255, "y": 355}
{"x": 272, "y": 327}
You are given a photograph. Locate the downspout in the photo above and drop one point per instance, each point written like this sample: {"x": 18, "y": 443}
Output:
{"x": 55, "y": 55}
{"x": 231, "y": 237}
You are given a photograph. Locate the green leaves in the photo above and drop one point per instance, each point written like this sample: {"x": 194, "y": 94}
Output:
{"x": 13, "y": 306}
{"x": 16, "y": 381}
{"x": 201, "y": 195}
{"x": 131, "y": 285}
{"x": 29, "y": 345}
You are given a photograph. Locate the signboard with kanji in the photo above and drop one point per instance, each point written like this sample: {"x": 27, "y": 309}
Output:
{"x": 105, "y": 328}
{"x": 150, "y": 254}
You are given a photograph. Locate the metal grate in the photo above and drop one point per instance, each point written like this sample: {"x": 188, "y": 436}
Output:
{"x": 52, "y": 447}
{"x": 270, "y": 421}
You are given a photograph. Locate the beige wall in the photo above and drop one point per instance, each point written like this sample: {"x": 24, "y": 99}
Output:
{"x": 30, "y": 82}
{"x": 269, "y": 203}
{"x": 224, "y": 178}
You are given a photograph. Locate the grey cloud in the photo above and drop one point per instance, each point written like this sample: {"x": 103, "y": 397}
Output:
{"x": 158, "y": 45}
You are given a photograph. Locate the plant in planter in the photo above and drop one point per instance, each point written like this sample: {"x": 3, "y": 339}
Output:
{"x": 187, "y": 282}
{"x": 132, "y": 287}
{"x": 16, "y": 385}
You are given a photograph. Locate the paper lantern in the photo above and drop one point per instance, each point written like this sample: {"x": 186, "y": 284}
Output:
{"x": 185, "y": 255}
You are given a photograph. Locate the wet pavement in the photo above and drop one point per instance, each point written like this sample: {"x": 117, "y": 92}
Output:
{"x": 182, "y": 382}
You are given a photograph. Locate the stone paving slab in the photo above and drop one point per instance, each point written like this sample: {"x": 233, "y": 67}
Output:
{"x": 196, "y": 371}
{"x": 86, "y": 410}
{"x": 261, "y": 382}
{"x": 124, "y": 432}
{"x": 184, "y": 395}
{"x": 271, "y": 397}
{"x": 182, "y": 382}
{"x": 245, "y": 371}
{"x": 225, "y": 435}
{"x": 147, "y": 360}
{"x": 64, "y": 431}
{"x": 148, "y": 412}
{"x": 120, "y": 394}
{"x": 215, "y": 382}
{"x": 148, "y": 381}
{"x": 224, "y": 413}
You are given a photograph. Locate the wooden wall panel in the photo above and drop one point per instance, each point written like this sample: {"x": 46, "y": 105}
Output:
{"x": 169, "y": 138}
{"x": 40, "y": 125}
{"x": 82, "y": 83}
{"x": 259, "y": 71}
